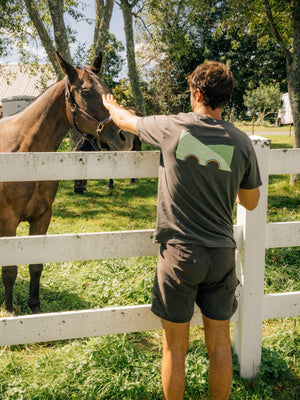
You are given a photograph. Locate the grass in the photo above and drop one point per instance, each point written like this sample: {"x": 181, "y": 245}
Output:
{"x": 127, "y": 366}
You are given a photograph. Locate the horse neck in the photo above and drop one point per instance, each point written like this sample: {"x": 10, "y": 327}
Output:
{"x": 44, "y": 122}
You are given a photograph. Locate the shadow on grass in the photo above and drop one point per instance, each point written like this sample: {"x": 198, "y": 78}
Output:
{"x": 51, "y": 300}
{"x": 97, "y": 199}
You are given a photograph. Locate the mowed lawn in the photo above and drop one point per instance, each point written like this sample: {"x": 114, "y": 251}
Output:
{"x": 127, "y": 366}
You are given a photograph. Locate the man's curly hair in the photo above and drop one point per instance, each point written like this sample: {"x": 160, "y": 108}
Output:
{"x": 215, "y": 81}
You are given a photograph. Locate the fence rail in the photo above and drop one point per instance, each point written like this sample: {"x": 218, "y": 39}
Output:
{"x": 252, "y": 234}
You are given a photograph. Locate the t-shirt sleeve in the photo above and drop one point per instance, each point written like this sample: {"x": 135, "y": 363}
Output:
{"x": 151, "y": 129}
{"x": 251, "y": 179}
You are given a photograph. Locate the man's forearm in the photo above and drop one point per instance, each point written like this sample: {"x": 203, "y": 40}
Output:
{"x": 121, "y": 117}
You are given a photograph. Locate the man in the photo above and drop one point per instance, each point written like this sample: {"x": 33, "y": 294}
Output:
{"x": 206, "y": 164}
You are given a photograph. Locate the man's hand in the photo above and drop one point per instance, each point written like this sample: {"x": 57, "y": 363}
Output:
{"x": 109, "y": 100}
{"x": 121, "y": 117}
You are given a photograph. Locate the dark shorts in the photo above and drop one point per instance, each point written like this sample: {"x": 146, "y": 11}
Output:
{"x": 187, "y": 274}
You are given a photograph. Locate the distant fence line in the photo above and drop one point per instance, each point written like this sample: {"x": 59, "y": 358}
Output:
{"x": 252, "y": 233}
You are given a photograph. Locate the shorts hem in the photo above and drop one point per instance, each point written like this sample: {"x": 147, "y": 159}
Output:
{"x": 167, "y": 318}
{"x": 218, "y": 318}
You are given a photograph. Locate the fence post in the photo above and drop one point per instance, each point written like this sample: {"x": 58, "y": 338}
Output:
{"x": 247, "y": 338}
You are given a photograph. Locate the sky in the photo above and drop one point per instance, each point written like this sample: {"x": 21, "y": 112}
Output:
{"x": 84, "y": 31}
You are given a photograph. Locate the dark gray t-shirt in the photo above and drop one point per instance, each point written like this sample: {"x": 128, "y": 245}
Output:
{"x": 203, "y": 163}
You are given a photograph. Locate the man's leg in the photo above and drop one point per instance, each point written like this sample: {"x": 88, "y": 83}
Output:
{"x": 217, "y": 339}
{"x": 175, "y": 346}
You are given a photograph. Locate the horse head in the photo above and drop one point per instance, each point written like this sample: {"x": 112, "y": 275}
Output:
{"x": 85, "y": 109}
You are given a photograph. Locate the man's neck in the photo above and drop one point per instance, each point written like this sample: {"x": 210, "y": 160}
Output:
{"x": 202, "y": 109}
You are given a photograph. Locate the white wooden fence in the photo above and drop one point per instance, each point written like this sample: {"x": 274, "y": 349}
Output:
{"x": 253, "y": 235}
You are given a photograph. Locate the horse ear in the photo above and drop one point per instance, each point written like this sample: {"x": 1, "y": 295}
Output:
{"x": 66, "y": 67}
{"x": 96, "y": 65}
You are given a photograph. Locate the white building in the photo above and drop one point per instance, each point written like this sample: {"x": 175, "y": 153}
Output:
{"x": 19, "y": 86}
{"x": 284, "y": 116}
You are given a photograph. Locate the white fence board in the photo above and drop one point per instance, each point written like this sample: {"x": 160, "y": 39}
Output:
{"x": 113, "y": 320}
{"x": 282, "y": 234}
{"x": 281, "y": 305}
{"x": 104, "y": 165}
{"x": 284, "y": 161}
{"x": 76, "y": 324}
{"x": 77, "y": 247}
{"x": 82, "y": 246}
{"x": 84, "y": 323}
{"x": 78, "y": 165}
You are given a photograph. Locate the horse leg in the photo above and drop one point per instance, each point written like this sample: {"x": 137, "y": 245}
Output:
{"x": 82, "y": 145}
{"x": 37, "y": 227}
{"x": 80, "y": 186}
{"x": 9, "y": 273}
{"x": 110, "y": 184}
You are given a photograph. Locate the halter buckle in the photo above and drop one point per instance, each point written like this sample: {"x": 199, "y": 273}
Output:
{"x": 100, "y": 128}
{"x": 73, "y": 107}
{"x": 67, "y": 95}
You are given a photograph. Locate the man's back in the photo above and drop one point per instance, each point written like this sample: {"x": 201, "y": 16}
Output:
{"x": 204, "y": 162}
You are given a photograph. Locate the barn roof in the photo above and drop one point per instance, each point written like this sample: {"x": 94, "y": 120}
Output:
{"x": 17, "y": 80}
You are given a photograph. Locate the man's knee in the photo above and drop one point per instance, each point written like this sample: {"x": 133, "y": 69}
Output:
{"x": 217, "y": 335}
{"x": 175, "y": 336}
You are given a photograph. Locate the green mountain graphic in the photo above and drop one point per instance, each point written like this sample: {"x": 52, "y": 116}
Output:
{"x": 188, "y": 146}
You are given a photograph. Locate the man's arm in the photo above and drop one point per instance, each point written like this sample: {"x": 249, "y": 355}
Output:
{"x": 121, "y": 117}
{"x": 248, "y": 198}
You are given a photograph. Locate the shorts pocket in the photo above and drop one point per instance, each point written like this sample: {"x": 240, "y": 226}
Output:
{"x": 232, "y": 281}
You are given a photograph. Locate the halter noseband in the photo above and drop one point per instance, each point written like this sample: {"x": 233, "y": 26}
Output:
{"x": 75, "y": 109}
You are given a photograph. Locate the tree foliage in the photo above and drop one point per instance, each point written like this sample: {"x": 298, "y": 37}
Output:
{"x": 29, "y": 24}
{"x": 263, "y": 100}
{"x": 177, "y": 36}
{"x": 277, "y": 22}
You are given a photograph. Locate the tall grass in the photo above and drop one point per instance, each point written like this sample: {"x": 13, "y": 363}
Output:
{"x": 128, "y": 366}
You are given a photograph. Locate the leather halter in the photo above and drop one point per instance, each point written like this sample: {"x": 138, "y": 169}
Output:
{"x": 77, "y": 110}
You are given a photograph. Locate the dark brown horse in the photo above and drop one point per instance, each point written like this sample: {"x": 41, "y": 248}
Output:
{"x": 86, "y": 145}
{"x": 74, "y": 102}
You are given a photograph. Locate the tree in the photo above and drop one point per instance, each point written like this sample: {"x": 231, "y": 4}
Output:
{"x": 104, "y": 11}
{"x": 199, "y": 34}
{"x": 168, "y": 52}
{"x": 8, "y": 11}
{"x": 56, "y": 9}
{"x": 44, "y": 21}
{"x": 263, "y": 100}
{"x": 127, "y": 10}
{"x": 278, "y": 22}
{"x": 292, "y": 65}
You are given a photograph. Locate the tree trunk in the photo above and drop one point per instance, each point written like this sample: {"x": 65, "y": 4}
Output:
{"x": 43, "y": 34}
{"x": 294, "y": 81}
{"x": 132, "y": 68}
{"x": 103, "y": 16}
{"x": 56, "y": 8}
{"x": 292, "y": 66}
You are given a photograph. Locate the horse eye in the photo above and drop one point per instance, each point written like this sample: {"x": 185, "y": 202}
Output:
{"x": 85, "y": 93}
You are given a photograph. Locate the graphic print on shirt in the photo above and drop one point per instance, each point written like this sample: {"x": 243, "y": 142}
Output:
{"x": 220, "y": 154}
